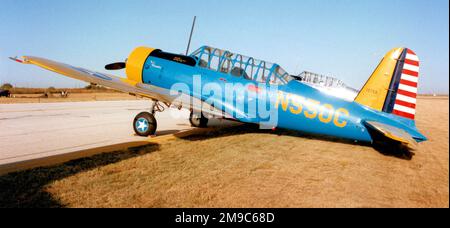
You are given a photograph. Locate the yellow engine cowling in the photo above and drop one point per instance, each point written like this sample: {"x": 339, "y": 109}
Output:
{"x": 135, "y": 63}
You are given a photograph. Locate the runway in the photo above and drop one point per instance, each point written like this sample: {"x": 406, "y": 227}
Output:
{"x": 39, "y": 130}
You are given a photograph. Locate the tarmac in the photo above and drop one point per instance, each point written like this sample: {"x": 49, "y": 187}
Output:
{"x": 36, "y": 134}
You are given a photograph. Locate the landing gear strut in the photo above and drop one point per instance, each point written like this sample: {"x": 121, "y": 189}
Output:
{"x": 144, "y": 123}
{"x": 197, "y": 119}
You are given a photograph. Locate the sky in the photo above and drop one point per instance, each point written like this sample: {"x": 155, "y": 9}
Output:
{"x": 341, "y": 38}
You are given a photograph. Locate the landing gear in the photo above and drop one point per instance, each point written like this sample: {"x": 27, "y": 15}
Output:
{"x": 198, "y": 120}
{"x": 144, "y": 124}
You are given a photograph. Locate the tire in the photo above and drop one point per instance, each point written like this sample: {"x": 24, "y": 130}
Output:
{"x": 144, "y": 124}
{"x": 198, "y": 120}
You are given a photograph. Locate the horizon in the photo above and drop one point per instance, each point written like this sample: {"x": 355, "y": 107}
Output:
{"x": 339, "y": 38}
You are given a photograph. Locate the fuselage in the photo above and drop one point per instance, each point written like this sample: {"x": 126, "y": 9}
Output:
{"x": 294, "y": 105}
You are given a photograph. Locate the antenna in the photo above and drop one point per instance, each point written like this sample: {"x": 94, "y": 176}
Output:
{"x": 190, "y": 36}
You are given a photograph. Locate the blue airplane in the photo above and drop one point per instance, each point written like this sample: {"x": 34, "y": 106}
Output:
{"x": 215, "y": 83}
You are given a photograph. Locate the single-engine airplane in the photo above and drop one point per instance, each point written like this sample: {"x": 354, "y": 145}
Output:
{"x": 200, "y": 82}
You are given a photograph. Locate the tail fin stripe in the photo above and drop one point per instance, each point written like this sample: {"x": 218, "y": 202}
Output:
{"x": 409, "y": 72}
{"x": 406, "y": 104}
{"x": 408, "y": 83}
{"x": 406, "y": 93}
{"x": 409, "y": 78}
{"x": 408, "y": 88}
{"x": 406, "y": 98}
{"x": 404, "y": 109}
{"x": 412, "y": 57}
{"x": 403, "y": 114}
{"x": 411, "y": 62}
{"x": 409, "y": 51}
{"x": 411, "y": 67}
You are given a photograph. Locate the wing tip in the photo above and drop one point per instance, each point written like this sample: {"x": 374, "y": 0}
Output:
{"x": 19, "y": 60}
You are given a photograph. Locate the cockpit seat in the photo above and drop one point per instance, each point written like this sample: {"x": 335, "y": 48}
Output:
{"x": 203, "y": 63}
{"x": 238, "y": 72}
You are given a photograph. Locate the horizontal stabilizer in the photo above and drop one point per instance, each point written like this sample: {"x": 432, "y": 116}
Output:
{"x": 391, "y": 132}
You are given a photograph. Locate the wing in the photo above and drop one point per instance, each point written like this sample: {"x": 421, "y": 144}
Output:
{"x": 123, "y": 85}
{"x": 114, "y": 82}
{"x": 391, "y": 132}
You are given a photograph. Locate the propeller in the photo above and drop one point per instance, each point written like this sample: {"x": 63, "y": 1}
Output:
{"x": 116, "y": 66}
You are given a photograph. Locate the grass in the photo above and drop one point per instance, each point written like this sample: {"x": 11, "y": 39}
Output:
{"x": 224, "y": 168}
{"x": 245, "y": 167}
{"x": 28, "y": 188}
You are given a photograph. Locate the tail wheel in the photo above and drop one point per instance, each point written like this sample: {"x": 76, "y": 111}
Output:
{"x": 198, "y": 120}
{"x": 144, "y": 124}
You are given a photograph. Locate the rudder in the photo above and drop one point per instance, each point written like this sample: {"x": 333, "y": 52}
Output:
{"x": 392, "y": 87}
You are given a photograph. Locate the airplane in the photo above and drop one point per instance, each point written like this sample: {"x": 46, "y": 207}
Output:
{"x": 383, "y": 110}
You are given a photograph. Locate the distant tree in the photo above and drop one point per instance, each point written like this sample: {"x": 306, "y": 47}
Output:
{"x": 90, "y": 86}
{"x": 51, "y": 88}
{"x": 7, "y": 86}
{"x": 95, "y": 87}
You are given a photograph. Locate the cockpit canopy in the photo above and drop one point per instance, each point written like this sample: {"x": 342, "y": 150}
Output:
{"x": 240, "y": 66}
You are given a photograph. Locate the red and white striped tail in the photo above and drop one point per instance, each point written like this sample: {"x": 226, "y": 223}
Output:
{"x": 405, "y": 101}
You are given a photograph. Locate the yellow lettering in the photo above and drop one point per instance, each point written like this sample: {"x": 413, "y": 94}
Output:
{"x": 313, "y": 109}
{"x": 311, "y": 105}
{"x": 338, "y": 114}
{"x": 284, "y": 101}
{"x": 327, "y": 109}
{"x": 296, "y": 107}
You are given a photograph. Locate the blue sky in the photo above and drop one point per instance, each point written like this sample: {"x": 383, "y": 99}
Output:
{"x": 344, "y": 38}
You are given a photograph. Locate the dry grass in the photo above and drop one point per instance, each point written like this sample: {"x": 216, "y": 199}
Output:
{"x": 37, "y": 95}
{"x": 245, "y": 167}
{"x": 19, "y": 90}
{"x": 73, "y": 97}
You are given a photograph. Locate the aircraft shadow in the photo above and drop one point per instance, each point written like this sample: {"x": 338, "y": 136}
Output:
{"x": 26, "y": 189}
{"x": 385, "y": 147}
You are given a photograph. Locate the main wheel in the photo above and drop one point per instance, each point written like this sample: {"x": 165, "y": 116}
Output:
{"x": 144, "y": 124}
{"x": 198, "y": 120}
